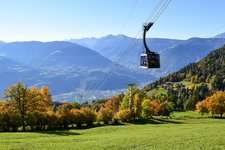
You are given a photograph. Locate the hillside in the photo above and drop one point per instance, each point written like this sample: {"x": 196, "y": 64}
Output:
{"x": 12, "y": 72}
{"x": 1, "y": 43}
{"x": 190, "y": 51}
{"x": 193, "y": 82}
{"x": 222, "y": 35}
{"x": 62, "y": 66}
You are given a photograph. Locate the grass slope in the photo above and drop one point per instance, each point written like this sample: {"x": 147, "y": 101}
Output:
{"x": 152, "y": 134}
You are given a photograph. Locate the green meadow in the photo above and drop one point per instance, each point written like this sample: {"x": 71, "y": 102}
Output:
{"x": 179, "y": 132}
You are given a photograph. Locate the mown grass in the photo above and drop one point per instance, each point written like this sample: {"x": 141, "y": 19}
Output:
{"x": 207, "y": 133}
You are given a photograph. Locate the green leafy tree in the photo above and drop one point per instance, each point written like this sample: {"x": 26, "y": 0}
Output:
{"x": 166, "y": 108}
{"x": 128, "y": 99}
{"x": 138, "y": 98}
{"x": 147, "y": 110}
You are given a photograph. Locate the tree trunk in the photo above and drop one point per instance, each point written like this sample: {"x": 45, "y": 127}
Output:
{"x": 23, "y": 123}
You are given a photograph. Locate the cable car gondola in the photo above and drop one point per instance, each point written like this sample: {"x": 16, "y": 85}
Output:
{"x": 148, "y": 59}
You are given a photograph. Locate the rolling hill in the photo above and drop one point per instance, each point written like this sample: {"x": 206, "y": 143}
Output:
{"x": 192, "y": 83}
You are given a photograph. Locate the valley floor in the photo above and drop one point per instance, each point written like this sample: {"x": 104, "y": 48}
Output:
{"x": 203, "y": 133}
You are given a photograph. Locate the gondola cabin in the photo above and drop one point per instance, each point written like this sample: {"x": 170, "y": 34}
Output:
{"x": 150, "y": 60}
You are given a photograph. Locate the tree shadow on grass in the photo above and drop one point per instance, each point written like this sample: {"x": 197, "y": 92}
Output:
{"x": 168, "y": 121}
{"x": 155, "y": 121}
{"x": 218, "y": 117}
{"x": 62, "y": 132}
{"x": 99, "y": 125}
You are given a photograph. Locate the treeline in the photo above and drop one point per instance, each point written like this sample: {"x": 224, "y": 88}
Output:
{"x": 184, "y": 98}
{"x": 207, "y": 77}
{"x": 210, "y": 70}
{"x": 30, "y": 109}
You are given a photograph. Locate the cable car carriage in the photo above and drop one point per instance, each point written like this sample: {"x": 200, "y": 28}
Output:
{"x": 148, "y": 59}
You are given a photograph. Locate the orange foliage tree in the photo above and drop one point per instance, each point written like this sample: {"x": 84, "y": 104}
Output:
{"x": 216, "y": 103}
{"x": 201, "y": 107}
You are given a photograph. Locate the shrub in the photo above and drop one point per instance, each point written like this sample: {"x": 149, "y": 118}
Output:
{"x": 90, "y": 116}
{"x": 105, "y": 115}
{"x": 201, "y": 107}
{"x": 166, "y": 108}
{"x": 9, "y": 118}
{"x": 78, "y": 117}
{"x": 51, "y": 119}
{"x": 124, "y": 115}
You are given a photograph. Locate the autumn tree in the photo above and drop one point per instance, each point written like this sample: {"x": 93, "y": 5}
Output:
{"x": 17, "y": 95}
{"x": 155, "y": 106}
{"x": 52, "y": 120}
{"x": 201, "y": 107}
{"x": 90, "y": 115}
{"x": 105, "y": 115}
{"x": 78, "y": 117}
{"x": 114, "y": 102}
{"x": 46, "y": 96}
{"x": 65, "y": 114}
{"x": 216, "y": 103}
{"x": 124, "y": 115}
{"x": 9, "y": 118}
{"x": 39, "y": 104}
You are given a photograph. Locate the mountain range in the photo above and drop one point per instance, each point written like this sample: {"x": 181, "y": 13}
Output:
{"x": 63, "y": 67}
{"x": 95, "y": 64}
{"x": 172, "y": 51}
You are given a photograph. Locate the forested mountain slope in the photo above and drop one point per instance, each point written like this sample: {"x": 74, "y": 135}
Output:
{"x": 193, "y": 82}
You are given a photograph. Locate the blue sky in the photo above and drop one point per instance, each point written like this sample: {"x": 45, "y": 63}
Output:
{"x": 48, "y": 20}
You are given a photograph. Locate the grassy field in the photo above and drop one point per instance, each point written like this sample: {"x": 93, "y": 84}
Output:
{"x": 180, "y": 133}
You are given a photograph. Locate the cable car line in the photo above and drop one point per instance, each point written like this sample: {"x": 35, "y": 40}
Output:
{"x": 154, "y": 10}
{"x": 162, "y": 10}
{"x": 150, "y": 59}
{"x": 153, "y": 58}
{"x": 121, "y": 54}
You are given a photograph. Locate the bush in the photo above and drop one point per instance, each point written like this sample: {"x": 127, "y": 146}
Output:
{"x": 78, "y": 117}
{"x": 52, "y": 120}
{"x": 9, "y": 118}
{"x": 90, "y": 116}
{"x": 201, "y": 107}
{"x": 166, "y": 108}
{"x": 124, "y": 115}
{"x": 105, "y": 115}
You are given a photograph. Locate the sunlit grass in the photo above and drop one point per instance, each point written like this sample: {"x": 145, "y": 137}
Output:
{"x": 204, "y": 133}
